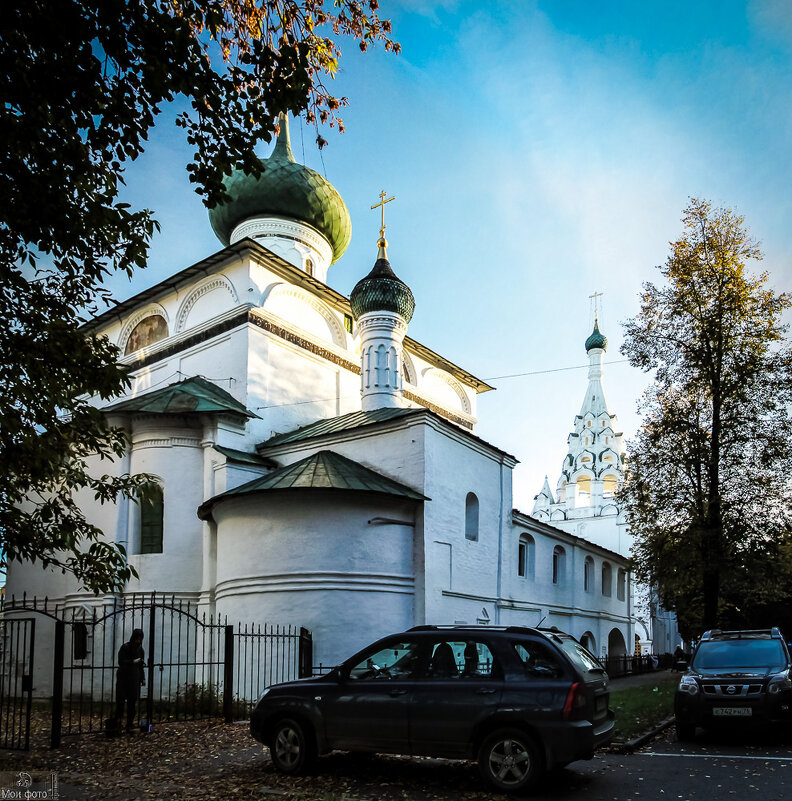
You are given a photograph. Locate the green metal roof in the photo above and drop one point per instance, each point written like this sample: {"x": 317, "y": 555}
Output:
{"x": 325, "y": 470}
{"x": 334, "y": 425}
{"x": 243, "y": 457}
{"x": 284, "y": 189}
{"x": 596, "y": 340}
{"x": 382, "y": 290}
{"x": 194, "y": 394}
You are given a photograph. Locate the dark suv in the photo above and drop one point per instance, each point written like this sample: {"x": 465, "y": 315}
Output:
{"x": 737, "y": 677}
{"x": 520, "y": 700}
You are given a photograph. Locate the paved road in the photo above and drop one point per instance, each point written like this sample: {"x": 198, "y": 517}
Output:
{"x": 215, "y": 762}
{"x": 713, "y": 767}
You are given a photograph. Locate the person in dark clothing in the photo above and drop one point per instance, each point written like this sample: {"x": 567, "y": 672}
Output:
{"x": 129, "y": 677}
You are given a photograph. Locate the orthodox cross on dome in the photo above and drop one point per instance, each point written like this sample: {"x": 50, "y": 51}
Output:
{"x": 381, "y": 205}
{"x": 594, "y": 298}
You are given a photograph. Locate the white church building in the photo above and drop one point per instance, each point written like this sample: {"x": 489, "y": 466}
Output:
{"x": 316, "y": 466}
{"x": 585, "y": 501}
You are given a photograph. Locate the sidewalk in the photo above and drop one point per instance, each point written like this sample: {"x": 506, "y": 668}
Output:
{"x": 641, "y": 679}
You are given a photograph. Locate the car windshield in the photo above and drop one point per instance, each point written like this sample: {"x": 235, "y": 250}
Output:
{"x": 751, "y": 654}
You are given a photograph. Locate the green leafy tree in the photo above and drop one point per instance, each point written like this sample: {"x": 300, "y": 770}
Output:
{"x": 708, "y": 492}
{"x": 83, "y": 83}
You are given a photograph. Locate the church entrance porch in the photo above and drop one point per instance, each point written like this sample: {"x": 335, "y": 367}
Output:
{"x": 196, "y": 666}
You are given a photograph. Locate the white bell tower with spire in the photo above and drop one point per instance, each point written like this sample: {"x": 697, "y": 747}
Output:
{"x": 585, "y": 503}
{"x": 593, "y": 469}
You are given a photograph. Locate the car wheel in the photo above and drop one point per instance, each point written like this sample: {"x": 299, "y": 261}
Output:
{"x": 685, "y": 732}
{"x": 291, "y": 748}
{"x": 509, "y": 760}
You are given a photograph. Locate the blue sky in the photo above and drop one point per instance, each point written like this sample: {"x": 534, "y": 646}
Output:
{"x": 539, "y": 151}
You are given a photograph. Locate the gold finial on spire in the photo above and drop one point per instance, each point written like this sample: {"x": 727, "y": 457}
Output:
{"x": 381, "y": 205}
{"x": 596, "y": 316}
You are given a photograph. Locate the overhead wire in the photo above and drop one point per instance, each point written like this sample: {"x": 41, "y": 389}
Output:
{"x": 553, "y": 370}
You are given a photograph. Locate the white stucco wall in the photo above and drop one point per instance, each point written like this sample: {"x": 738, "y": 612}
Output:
{"x": 311, "y": 558}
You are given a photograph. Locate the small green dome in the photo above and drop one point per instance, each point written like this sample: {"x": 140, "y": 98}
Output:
{"x": 382, "y": 290}
{"x": 596, "y": 340}
{"x": 284, "y": 189}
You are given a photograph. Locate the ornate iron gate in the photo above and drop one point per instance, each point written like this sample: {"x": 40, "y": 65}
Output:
{"x": 17, "y": 637}
{"x": 197, "y": 666}
{"x": 184, "y": 672}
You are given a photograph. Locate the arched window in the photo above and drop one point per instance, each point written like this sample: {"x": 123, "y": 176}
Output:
{"x": 471, "y": 517}
{"x": 526, "y": 556}
{"x": 609, "y": 485}
{"x": 607, "y": 577}
{"x": 588, "y": 574}
{"x": 146, "y": 332}
{"x": 621, "y": 584}
{"x": 584, "y": 490}
{"x": 151, "y": 517}
{"x": 309, "y": 267}
{"x": 559, "y": 565}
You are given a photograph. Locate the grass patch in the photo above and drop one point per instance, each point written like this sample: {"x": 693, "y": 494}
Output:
{"x": 639, "y": 709}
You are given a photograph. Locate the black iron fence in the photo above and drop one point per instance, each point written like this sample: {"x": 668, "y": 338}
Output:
{"x": 196, "y": 665}
{"x": 627, "y": 664}
{"x": 16, "y": 682}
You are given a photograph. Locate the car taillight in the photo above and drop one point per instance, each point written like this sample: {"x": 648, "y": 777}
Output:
{"x": 575, "y": 703}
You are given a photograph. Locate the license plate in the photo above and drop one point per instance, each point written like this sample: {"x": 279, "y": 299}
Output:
{"x": 601, "y": 704}
{"x": 732, "y": 711}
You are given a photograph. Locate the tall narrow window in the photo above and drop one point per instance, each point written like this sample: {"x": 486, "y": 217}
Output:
{"x": 621, "y": 584}
{"x": 559, "y": 565}
{"x": 79, "y": 641}
{"x": 525, "y": 556}
{"x": 607, "y": 577}
{"x": 309, "y": 267}
{"x": 151, "y": 515}
{"x": 471, "y": 517}
{"x": 588, "y": 574}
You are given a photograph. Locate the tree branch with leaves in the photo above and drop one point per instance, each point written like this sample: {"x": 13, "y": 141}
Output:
{"x": 84, "y": 83}
{"x": 708, "y": 492}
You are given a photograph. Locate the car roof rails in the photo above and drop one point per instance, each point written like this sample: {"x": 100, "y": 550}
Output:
{"x": 714, "y": 634}
{"x": 474, "y": 627}
{"x": 455, "y": 627}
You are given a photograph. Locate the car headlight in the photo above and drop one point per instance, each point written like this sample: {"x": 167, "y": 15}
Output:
{"x": 779, "y": 684}
{"x": 688, "y": 685}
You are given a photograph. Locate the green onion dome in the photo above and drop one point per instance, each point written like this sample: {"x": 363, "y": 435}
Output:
{"x": 596, "y": 340}
{"x": 284, "y": 189}
{"x": 382, "y": 290}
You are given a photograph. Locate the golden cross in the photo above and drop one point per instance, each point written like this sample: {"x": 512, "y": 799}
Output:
{"x": 381, "y": 205}
{"x": 595, "y": 296}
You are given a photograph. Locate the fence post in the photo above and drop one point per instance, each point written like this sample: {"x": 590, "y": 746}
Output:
{"x": 150, "y": 699}
{"x": 228, "y": 675}
{"x": 305, "y": 656}
{"x": 57, "y": 684}
{"x": 27, "y": 682}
